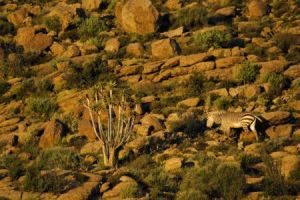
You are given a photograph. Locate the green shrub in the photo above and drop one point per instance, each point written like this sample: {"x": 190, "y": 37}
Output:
{"x": 191, "y": 127}
{"x": 31, "y": 146}
{"x": 190, "y": 17}
{"x": 253, "y": 49}
{"x": 6, "y": 28}
{"x": 278, "y": 83}
{"x": 4, "y": 87}
{"x": 14, "y": 165}
{"x": 216, "y": 39}
{"x": 247, "y": 73}
{"x": 279, "y": 7}
{"x": 44, "y": 86}
{"x": 284, "y": 41}
{"x": 91, "y": 27}
{"x": 42, "y": 106}
{"x": 247, "y": 160}
{"x": 88, "y": 75}
{"x": 53, "y": 23}
{"x": 24, "y": 89}
{"x": 213, "y": 181}
{"x": 131, "y": 190}
{"x": 50, "y": 182}
{"x": 221, "y": 103}
{"x": 73, "y": 1}
{"x": 195, "y": 84}
{"x": 59, "y": 157}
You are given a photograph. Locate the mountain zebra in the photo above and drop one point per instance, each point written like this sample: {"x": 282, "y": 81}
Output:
{"x": 230, "y": 120}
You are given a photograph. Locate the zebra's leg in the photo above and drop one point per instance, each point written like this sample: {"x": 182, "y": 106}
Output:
{"x": 252, "y": 127}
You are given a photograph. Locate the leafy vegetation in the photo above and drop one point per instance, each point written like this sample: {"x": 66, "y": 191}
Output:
{"x": 53, "y": 23}
{"x": 210, "y": 39}
{"x": 6, "y": 28}
{"x": 42, "y": 106}
{"x": 247, "y": 73}
{"x": 278, "y": 83}
{"x": 14, "y": 165}
{"x": 190, "y": 17}
{"x": 91, "y": 27}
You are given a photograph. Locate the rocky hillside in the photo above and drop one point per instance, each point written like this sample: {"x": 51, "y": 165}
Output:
{"x": 175, "y": 60}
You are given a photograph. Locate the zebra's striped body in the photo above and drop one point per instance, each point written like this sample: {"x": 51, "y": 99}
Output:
{"x": 229, "y": 120}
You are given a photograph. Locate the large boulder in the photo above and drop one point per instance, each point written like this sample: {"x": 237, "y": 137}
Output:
{"x": 285, "y": 130}
{"x": 164, "y": 48}
{"x": 112, "y": 45}
{"x": 32, "y": 42}
{"x": 91, "y": 4}
{"x": 256, "y": 8}
{"x": 85, "y": 128}
{"x": 137, "y": 16}
{"x": 293, "y": 71}
{"x": 52, "y": 135}
{"x": 18, "y": 17}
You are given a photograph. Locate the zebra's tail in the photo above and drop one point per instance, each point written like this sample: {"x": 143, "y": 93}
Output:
{"x": 258, "y": 118}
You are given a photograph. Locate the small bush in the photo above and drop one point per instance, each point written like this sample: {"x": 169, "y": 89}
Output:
{"x": 6, "y": 28}
{"x": 14, "y": 165}
{"x": 213, "y": 181}
{"x": 247, "y": 160}
{"x": 25, "y": 88}
{"x": 42, "y": 106}
{"x": 284, "y": 41}
{"x": 221, "y": 103}
{"x": 278, "y": 83}
{"x": 44, "y": 86}
{"x": 195, "y": 84}
{"x": 88, "y": 75}
{"x": 247, "y": 73}
{"x": 50, "y": 182}
{"x": 216, "y": 39}
{"x": 190, "y": 17}
{"x": 4, "y": 87}
{"x": 91, "y": 27}
{"x": 31, "y": 146}
{"x": 191, "y": 127}
{"x": 53, "y": 23}
{"x": 253, "y": 49}
{"x": 59, "y": 157}
{"x": 131, "y": 190}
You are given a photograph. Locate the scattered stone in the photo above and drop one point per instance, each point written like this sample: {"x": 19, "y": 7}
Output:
{"x": 277, "y": 117}
{"x": 151, "y": 120}
{"x": 173, "y": 164}
{"x": 135, "y": 49}
{"x": 193, "y": 59}
{"x": 164, "y": 48}
{"x": 112, "y": 45}
{"x": 91, "y": 148}
{"x": 285, "y": 130}
{"x": 227, "y": 11}
{"x": 91, "y": 4}
{"x": 173, "y": 4}
{"x": 256, "y": 8}
{"x": 293, "y": 71}
{"x": 32, "y": 42}
{"x": 192, "y": 102}
{"x": 52, "y": 135}
{"x": 137, "y": 16}
{"x": 229, "y": 61}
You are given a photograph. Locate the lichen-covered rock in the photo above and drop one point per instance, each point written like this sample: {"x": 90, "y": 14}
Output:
{"x": 256, "y": 8}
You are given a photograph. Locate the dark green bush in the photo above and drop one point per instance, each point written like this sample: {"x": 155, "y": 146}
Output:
{"x": 278, "y": 83}
{"x": 50, "y": 182}
{"x": 88, "y": 75}
{"x": 247, "y": 73}
{"x": 59, "y": 157}
{"x": 31, "y": 146}
{"x": 24, "y": 89}
{"x": 42, "y": 106}
{"x": 213, "y": 181}
{"x": 221, "y": 103}
{"x": 191, "y": 127}
{"x": 53, "y": 23}
{"x": 253, "y": 49}
{"x": 195, "y": 84}
{"x": 190, "y": 17}
{"x": 216, "y": 39}
{"x": 6, "y": 28}
{"x": 44, "y": 86}
{"x": 91, "y": 27}
{"x": 4, "y": 87}
{"x": 14, "y": 165}
{"x": 284, "y": 41}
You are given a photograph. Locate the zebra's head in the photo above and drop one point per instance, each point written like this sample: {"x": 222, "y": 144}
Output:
{"x": 212, "y": 118}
